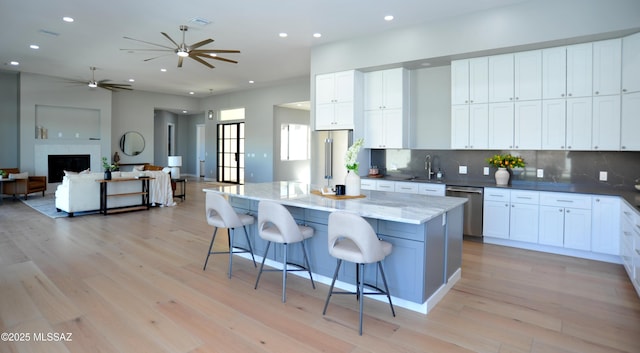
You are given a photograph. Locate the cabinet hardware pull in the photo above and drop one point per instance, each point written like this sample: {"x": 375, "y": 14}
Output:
{"x": 570, "y": 201}
{"x": 627, "y": 234}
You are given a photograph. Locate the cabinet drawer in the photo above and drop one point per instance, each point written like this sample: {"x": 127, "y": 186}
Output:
{"x": 560, "y": 199}
{"x": 384, "y": 185}
{"x": 493, "y": 194}
{"x": 431, "y": 189}
{"x": 526, "y": 197}
{"x": 406, "y": 187}
{"x": 367, "y": 184}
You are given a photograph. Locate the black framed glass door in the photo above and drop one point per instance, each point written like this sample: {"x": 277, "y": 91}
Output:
{"x": 230, "y": 159}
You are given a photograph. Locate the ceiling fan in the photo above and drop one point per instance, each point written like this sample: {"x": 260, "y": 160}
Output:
{"x": 103, "y": 83}
{"x": 187, "y": 51}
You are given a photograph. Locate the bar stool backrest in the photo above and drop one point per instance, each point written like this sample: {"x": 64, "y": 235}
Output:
{"x": 344, "y": 226}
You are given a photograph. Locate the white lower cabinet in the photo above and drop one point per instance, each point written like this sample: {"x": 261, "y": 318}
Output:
{"x": 605, "y": 224}
{"x": 565, "y": 220}
{"x": 524, "y": 216}
{"x": 511, "y": 214}
{"x": 495, "y": 215}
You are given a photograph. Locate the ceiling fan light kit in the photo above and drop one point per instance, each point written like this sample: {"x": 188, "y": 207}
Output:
{"x": 187, "y": 51}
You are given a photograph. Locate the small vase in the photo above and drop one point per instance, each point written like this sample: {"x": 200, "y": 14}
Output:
{"x": 502, "y": 176}
{"x": 107, "y": 175}
{"x": 352, "y": 184}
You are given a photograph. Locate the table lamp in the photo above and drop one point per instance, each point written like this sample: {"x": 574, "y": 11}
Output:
{"x": 175, "y": 162}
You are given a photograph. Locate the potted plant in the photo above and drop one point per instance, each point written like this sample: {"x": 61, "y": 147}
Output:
{"x": 505, "y": 164}
{"x": 108, "y": 168}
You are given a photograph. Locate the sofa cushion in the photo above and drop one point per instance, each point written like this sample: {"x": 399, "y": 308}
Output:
{"x": 152, "y": 167}
{"x": 138, "y": 168}
{"x": 24, "y": 175}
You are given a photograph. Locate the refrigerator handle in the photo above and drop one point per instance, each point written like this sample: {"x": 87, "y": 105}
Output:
{"x": 328, "y": 159}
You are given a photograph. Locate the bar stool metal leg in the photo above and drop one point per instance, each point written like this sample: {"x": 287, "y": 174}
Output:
{"x": 210, "y": 246}
{"x": 386, "y": 288}
{"x": 264, "y": 257}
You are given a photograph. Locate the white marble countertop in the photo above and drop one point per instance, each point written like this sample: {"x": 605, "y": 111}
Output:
{"x": 390, "y": 206}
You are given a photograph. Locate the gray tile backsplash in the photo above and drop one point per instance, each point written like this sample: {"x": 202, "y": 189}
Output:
{"x": 577, "y": 167}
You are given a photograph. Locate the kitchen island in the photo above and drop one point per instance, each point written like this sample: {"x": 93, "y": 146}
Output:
{"x": 425, "y": 231}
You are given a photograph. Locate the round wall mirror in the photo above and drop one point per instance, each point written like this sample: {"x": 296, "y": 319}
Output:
{"x": 132, "y": 143}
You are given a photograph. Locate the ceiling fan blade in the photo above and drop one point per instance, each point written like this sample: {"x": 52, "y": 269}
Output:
{"x": 180, "y": 59}
{"x": 142, "y": 41}
{"x": 169, "y": 38}
{"x": 155, "y": 57}
{"x": 199, "y": 44}
{"x": 171, "y": 50}
{"x": 116, "y": 86}
{"x": 214, "y": 51}
{"x": 202, "y": 61}
{"x": 216, "y": 58}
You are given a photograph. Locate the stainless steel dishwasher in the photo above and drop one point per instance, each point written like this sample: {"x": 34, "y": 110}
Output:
{"x": 472, "y": 209}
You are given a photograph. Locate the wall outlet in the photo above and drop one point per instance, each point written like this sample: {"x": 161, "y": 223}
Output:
{"x": 485, "y": 171}
{"x": 540, "y": 173}
{"x": 603, "y": 176}
{"x": 462, "y": 169}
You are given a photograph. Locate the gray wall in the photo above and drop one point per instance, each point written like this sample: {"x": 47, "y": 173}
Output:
{"x": 9, "y": 119}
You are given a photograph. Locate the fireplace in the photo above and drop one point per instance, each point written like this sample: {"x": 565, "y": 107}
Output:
{"x": 58, "y": 163}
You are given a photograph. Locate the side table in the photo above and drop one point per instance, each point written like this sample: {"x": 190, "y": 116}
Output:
{"x": 183, "y": 188}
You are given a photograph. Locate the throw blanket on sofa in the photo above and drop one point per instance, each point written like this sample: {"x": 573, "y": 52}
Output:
{"x": 160, "y": 188}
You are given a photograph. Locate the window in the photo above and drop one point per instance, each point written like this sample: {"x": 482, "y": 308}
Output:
{"x": 232, "y": 114}
{"x": 294, "y": 142}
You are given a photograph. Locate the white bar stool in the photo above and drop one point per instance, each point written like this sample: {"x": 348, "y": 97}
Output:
{"x": 352, "y": 239}
{"x": 276, "y": 225}
{"x": 220, "y": 214}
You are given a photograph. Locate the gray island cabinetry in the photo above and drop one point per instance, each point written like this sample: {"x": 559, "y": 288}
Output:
{"x": 426, "y": 233}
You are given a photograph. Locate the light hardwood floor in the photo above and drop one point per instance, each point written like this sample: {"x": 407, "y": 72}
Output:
{"x": 133, "y": 282}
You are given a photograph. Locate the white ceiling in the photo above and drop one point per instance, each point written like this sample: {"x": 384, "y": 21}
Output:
{"x": 95, "y": 38}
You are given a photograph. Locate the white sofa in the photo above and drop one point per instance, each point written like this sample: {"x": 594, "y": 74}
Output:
{"x": 81, "y": 192}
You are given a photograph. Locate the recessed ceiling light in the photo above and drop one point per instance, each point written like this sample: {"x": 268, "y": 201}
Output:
{"x": 184, "y": 111}
{"x": 283, "y": 35}
{"x": 251, "y": 81}
{"x": 132, "y": 80}
{"x": 192, "y": 92}
{"x": 388, "y": 18}
{"x": 67, "y": 19}
{"x": 163, "y": 70}
{"x": 317, "y": 35}
{"x": 14, "y": 63}
{"x": 34, "y": 46}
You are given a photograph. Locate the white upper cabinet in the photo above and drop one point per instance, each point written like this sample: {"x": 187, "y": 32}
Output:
{"x": 336, "y": 98}
{"x": 606, "y": 123}
{"x": 470, "y": 126}
{"x": 607, "y": 67}
{"x": 528, "y": 75}
{"x": 579, "y": 121}
{"x": 501, "y": 126}
{"x": 384, "y": 89}
{"x": 528, "y": 125}
{"x": 554, "y": 73}
{"x": 501, "y": 78}
{"x": 567, "y": 71}
{"x": 580, "y": 70}
{"x": 386, "y": 108}
{"x": 469, "y": 81}
{"x": 630, "y": 124}
{"x": 631, "y": 63}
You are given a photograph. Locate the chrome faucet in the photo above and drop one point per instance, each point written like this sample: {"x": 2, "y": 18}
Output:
{"x": 427, "y": 166}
